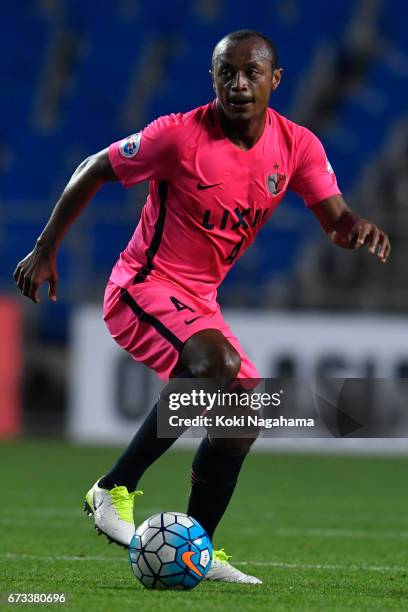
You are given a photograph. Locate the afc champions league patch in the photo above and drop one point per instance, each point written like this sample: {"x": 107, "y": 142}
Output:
{"x": 129, "y": 146}
{"x": 275, "y": 182}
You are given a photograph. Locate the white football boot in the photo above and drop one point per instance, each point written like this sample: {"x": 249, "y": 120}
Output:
{"x": 223, "y": 571}
{"x": 112, "y": 512}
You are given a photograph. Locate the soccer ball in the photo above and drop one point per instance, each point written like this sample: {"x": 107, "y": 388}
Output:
{"x": 170, "y": 550}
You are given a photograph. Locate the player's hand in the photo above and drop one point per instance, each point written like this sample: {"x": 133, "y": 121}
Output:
{"x": 362, "y": 233}
{"x": 36, "y": 268}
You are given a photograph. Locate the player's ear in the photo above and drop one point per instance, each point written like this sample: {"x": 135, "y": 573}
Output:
{"x": 276, "y": 78}
{"x": 212, "y": 78}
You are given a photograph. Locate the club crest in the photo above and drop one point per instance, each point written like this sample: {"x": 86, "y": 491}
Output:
{"x": 130, "y": 146}
{"x": 275, "y": 183}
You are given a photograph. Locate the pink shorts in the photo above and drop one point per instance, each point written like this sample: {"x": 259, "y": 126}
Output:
{"x": 152, "y": 321}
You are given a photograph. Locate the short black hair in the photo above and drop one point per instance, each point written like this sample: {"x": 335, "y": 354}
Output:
{"x": 243, "y": 35}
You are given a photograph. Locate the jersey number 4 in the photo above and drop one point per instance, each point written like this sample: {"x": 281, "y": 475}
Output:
{"x": 180, "y": 305}
{"x": 233, "y": 255}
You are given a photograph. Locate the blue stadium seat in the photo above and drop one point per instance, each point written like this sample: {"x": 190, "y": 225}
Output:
{"x": 364, "y": 120}
{"x": 106, "y": 241}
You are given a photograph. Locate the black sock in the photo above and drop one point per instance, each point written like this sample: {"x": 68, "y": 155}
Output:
{"x": 213, "y": 479}
{"x": 143, "y": 450}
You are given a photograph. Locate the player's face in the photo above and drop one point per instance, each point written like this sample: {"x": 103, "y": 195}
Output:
{"x": 243, "y": 78}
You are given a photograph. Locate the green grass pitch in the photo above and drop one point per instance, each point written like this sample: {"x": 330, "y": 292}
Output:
{"x": 323, "y": 533}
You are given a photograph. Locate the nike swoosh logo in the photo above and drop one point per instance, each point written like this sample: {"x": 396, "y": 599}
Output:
{"x": 96, "y": 503}
{"x": 201, "y": 186}
{"x": 192, "y": 320}
{"x": 186, "y": 557}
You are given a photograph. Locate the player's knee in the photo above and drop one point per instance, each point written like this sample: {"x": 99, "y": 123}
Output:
{"x": 223, "y": 364}
{"x": 211, "y": 356}
{"x": 227, "y": 362}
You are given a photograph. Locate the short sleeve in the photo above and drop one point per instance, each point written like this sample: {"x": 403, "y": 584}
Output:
{"x": 313, "y": 179}
{"x": 147, "y": 155}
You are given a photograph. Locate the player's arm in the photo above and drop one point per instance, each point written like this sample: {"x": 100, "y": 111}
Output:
{"x": 39, "y": 265}
{"x": 349, "y": 231}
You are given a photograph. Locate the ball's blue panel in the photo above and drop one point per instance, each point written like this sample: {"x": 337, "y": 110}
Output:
{"x": 170, "y": 568}
{"x": 174, "y": 582}
{"x": 196, "y": 531}
{"x": 179, "y": 530}
{"x": 189, "y": 582}
{"x": 134, "y": 543}
{"x": 174, "y": 539}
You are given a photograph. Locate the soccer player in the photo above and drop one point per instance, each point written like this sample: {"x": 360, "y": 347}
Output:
{"x": 216, "y": 175}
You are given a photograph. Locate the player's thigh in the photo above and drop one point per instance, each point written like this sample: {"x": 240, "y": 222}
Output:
{"x": 153, "y": 322}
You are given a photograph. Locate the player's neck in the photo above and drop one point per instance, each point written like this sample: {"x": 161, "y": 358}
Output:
{"x": 244, "y": 134}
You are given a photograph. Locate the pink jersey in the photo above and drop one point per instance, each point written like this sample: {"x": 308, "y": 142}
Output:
{"x": 208, "y": 198}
